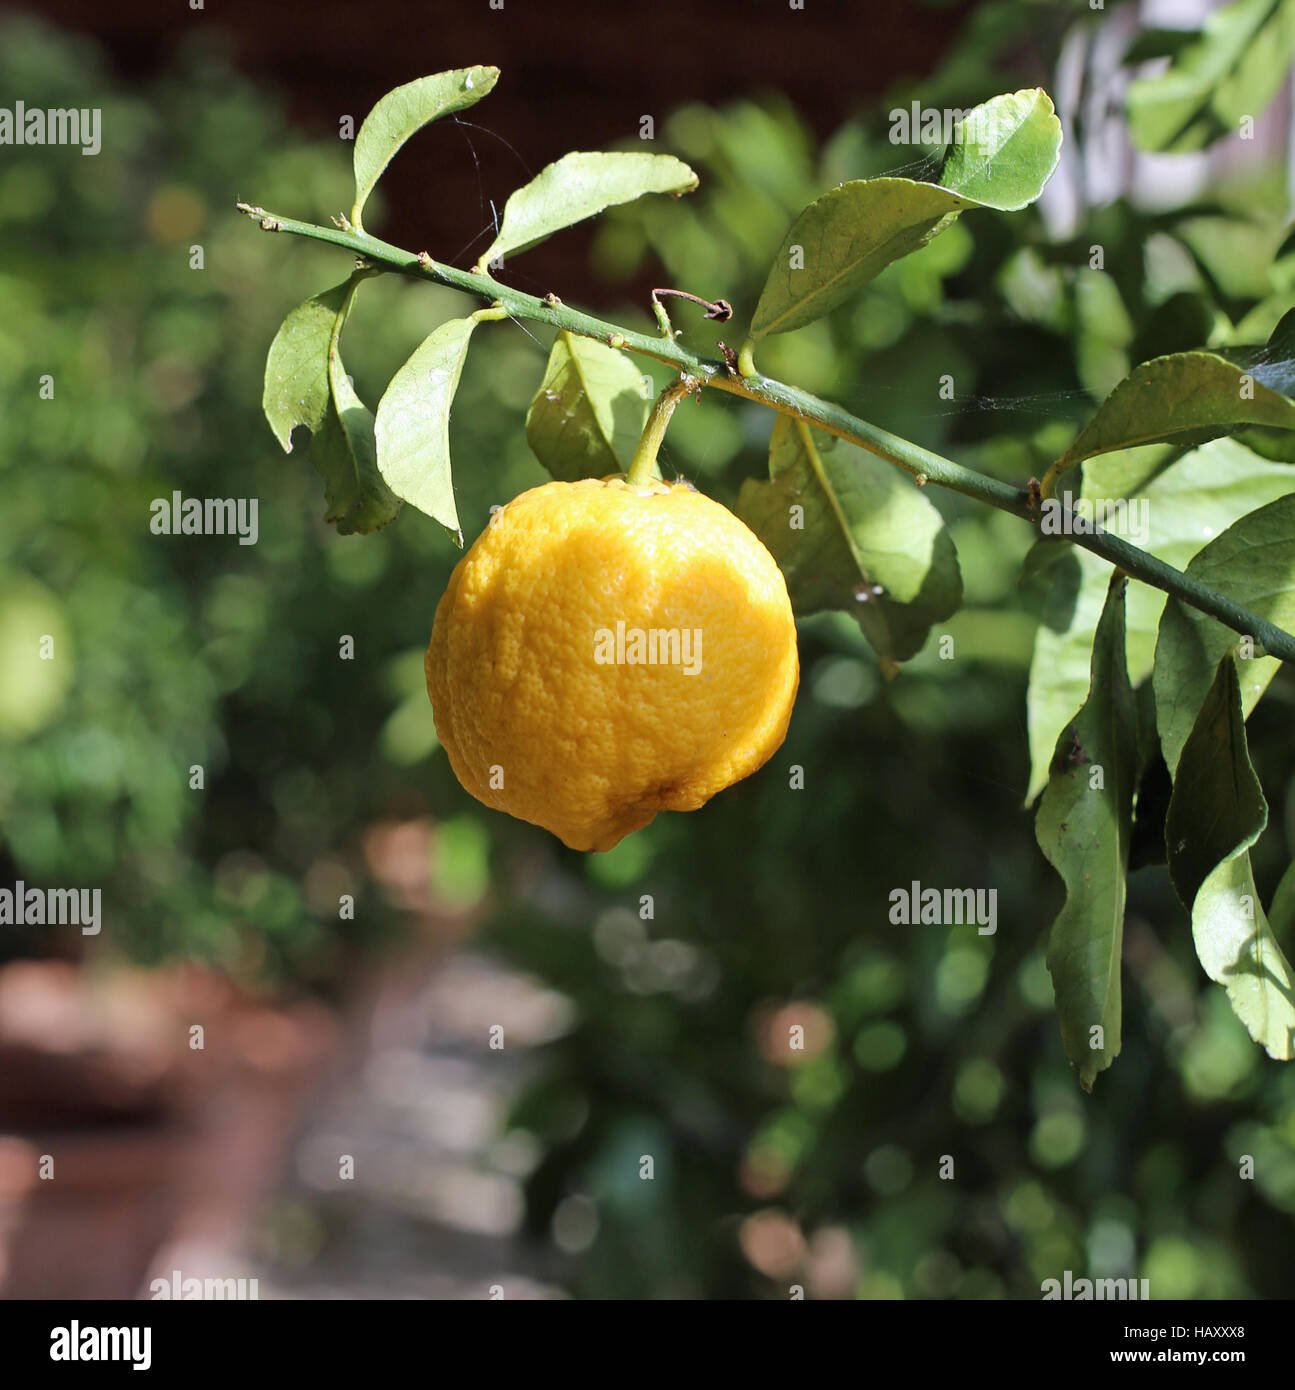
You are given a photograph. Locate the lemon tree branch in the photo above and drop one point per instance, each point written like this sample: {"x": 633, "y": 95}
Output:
{"x": 926, "y": 467}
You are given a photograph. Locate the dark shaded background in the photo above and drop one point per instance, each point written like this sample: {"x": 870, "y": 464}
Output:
{"x": 577, "y": 74}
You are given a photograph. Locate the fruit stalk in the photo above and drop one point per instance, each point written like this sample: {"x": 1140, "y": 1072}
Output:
{"x": 644, "y": 460}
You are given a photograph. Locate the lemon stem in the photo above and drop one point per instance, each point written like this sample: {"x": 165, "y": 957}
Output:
{"x": 644, "y": 460}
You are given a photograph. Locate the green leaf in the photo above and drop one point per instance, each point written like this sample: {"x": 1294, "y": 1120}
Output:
{"x": 403, "y": 111}
{"x": 1216, "y": 813}
{"x": 578, "y": 186}
{"x": 1273, "y": 364}
{"x": 1084, "y": 828}
{"x": 413, "y": 426}
{"x": 589, "y": 412}
{"x": 1230, "y": 69}
{"x": 844, "y": 239}
{"x": 1005, "y": 151}
{"x": 1186, "y": 398}
{"x": 306, "y": 385}
{"x": 296, "y": 370}
{"x": 1253, "y": 563}
{"x": 1186, "y": 505}
{"x": 1281, "y": 914}
{"x": 841, "y": 522}
{"x": 1008, "y": 151}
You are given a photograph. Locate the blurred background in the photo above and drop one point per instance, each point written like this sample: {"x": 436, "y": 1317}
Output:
{"x": 340, "y": 1125}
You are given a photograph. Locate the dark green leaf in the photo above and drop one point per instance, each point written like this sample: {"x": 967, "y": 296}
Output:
{"x": 413, "y": 426}
{"x": 1004, "y": 153}
{"x": 1281, "y": 915}
{"x": 578, "y": 186}
{"x": 841, "y": 523}
{"x": 1187, "y": 398}
{"x": 1084, "y": 828}
{"x": 403, "y": 111}
{"x": 587, "y": 416}
{"x": 1216, "y": 813}
{"x": 1253, "y": 563}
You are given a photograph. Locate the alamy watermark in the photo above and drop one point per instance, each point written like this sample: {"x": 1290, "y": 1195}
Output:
{"x": 654, "y": 646}
{"x": 191, "y": 1289}
{"x": 1129, "y": 517}
{"x": 947, "y": 125}
{"x": 953, "y": 907}
{"x": 21, "y": 906}
{"x": 24, "y": 125}
{"x": 1083, "y": 1290}
{"x": 74, "y": 1342}
{"x": 206, "y": 516}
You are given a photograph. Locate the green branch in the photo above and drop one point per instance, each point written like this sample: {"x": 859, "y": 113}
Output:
{"x": 925, "y": 466}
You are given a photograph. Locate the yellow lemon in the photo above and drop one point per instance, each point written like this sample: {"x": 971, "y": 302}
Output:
{"x": 606, "y": 651}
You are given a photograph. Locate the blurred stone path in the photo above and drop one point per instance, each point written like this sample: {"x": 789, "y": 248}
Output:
{"x": 436, "y": 1201}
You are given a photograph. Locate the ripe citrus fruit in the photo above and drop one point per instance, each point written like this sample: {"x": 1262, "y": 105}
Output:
{"x": 606, "y": 651}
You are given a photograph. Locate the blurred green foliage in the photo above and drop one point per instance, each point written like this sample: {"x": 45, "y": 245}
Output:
{"x": 769, "y": 908}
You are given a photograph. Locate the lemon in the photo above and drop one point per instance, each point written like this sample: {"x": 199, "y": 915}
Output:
{"x": 606, "y": 651}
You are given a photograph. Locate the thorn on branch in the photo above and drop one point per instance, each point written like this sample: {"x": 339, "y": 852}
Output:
{"x": 730, "y": 357}
{"x": 720, "y": 309}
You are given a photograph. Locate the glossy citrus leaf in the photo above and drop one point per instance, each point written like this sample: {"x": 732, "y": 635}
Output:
{"x": 1084, "y": 828}
{"x": 403, "y": 111}
{"x": 1185, "y": 398}
{"x": 851, "y": 531}
{"x": 1253, "y": 563}
{"x": 579, "y": 186}
{"x": 1216, "y": 814}
{"x": 1173, "y": 512}
{"x": 413, "y": 425}
{"x": 306, "y": 385}
{"x": 1005, "y": 151}
{"x": 1003, "y": 154}
{"x": 586, "y": 418}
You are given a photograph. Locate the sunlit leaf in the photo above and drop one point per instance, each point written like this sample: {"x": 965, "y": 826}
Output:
{"x": 413, "y": 425}
{"x": 306, "y": 385}
{"x": 1252, "y": 563}
{"x": 586, "y": 418}
{"x": 1005, "y": 151}
{"x": 403, "y": 111}
{"x": 851, "y": 531}
{"x": 1183, "y": 507}
{"x": 578, "y": 186}
{"x": 844, "y": 239}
